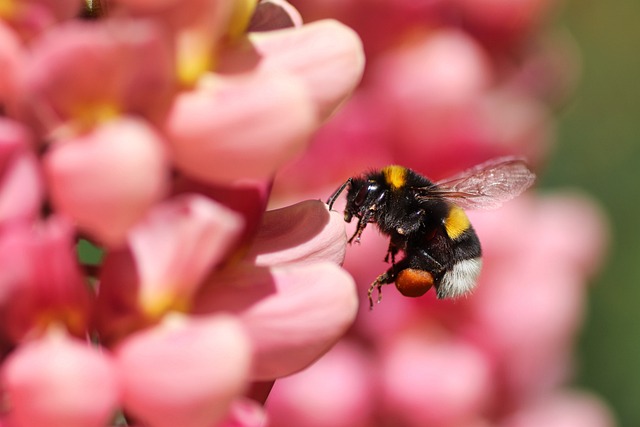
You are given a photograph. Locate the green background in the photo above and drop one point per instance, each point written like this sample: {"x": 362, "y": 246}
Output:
{"x": 599, "y": 151}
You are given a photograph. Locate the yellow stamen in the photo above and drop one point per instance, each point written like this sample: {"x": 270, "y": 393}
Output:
{"x": 240, "y": 17}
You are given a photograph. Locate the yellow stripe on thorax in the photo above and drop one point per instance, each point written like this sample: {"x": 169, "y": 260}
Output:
{"x": 395, "y": 176}
{"x": 456, "y": 222}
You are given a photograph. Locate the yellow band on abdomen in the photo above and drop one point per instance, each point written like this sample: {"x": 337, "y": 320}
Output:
{"x": 456, "y": 222}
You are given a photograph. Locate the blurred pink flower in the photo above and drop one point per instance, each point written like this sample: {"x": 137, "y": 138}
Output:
{"x": 151, "y": 135}
{"x": 83, "y": 185}
{"x": 36, "y": 373}
{"x": 449, "y": 85}
{"x": 21, "y": 184}
{"x": 32, "y": 17}
{"x": 41, "y": 282}
{"x": 184, "y": 372}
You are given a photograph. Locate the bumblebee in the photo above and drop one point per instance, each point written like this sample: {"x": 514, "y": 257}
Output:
{"x": 426, "y": 221}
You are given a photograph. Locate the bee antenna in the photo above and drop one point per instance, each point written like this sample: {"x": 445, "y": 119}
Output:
{"x": 335, "y": 195}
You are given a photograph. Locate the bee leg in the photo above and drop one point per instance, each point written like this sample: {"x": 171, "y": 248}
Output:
{"x": 362, "y": 224}
{"x": 383, "y": 279}
{"x": 396, "y": 242}
{"x": 392, "y": 251}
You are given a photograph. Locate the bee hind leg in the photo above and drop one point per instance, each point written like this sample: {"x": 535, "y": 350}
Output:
{"x": 383, "y": 279}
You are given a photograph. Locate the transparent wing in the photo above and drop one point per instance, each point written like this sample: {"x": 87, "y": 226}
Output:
{"x": 486, "y": 186}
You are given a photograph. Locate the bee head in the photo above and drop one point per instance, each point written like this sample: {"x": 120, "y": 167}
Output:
{"x": 363, "y": 198}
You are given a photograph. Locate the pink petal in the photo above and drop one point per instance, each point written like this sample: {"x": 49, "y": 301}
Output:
{"x": 305, "y": 232}
{"x": 504, "y": 21}
{"x": 107, "y": 179}
{"x": 168, "y": 254}
{"x": 448, "y": 65}
{"x": 434, "y": 382}
{"x": 247, "y": 198}
{"x": 60, "y": 382}
{"x": 31, "y": 18}
{"x": 11, "y": 62}
{"x": 326, "y": 55}
{"x": 20, "y": 178}
{"x": 184, "y": 372}
{"x": 294, "y": 314}
{"x": 563, "y": 409}
{"x": 339, "y": 390}
{"x": 177, "y": 244}
{"x": 239, "y": 128}
{"x": 88, "y": 72}
{"x": 41, "y": 281}
{"x": 246, "y": 413}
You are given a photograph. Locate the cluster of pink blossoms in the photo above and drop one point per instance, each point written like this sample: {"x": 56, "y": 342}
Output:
{"x": 450, "y": 84}
{"x": 150, "y": 132}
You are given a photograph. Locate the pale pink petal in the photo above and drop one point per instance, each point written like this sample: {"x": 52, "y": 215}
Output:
{"x": 339, "y": 390}
{"x": 247, "y": 198}
{"x": 177, "y": 244}
{"x": 235, "y": 128}
{"x": 57, "y": 381}
{"x": 434, "y": 381}
{"x": 446, "y": 67}
{"x": 294, "y": 314}
{"x": 168, "y": 254}
{"x": 305, "y": 232}
{"x": 273, "y": 15}
{"x": 20, "y": 178}
{"x": 512, "y": 123}
{"x": 326, "y": 55}
{"x": 184, "y": 372}
{"x": 107, "y": 179}
{"x": 562, "y": 409}
{"x": 246, "y": 413}
{"x": 576, "y": 230}
{"x": 430, "y": 89}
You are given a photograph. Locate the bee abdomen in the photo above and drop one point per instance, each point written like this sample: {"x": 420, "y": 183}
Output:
{"x": 456, "y": 222}
{"x": 460, "y": 279}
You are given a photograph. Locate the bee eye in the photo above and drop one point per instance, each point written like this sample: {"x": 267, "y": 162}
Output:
{"x": 361, "y": 196}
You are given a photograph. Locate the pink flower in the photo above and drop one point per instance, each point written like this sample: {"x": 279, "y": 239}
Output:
{"x": 83, "y": 183}
{"x": 449, "y": 85}
{"x": 34, "y": 375}
{"x": 185, "y": 371}
{"x": 152, "y": 136}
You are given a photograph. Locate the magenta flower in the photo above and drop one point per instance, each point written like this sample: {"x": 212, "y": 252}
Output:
{"x": 150, "y": 137}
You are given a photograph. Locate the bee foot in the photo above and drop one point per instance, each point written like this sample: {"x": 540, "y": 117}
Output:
{"x": 377, "y": 285}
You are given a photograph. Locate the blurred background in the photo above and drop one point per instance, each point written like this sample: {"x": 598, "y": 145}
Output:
{"x": 599, "y": 151}
{"x": 551, "y": 80}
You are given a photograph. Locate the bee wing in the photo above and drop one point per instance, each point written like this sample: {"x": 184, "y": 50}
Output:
{"x": 486, "y": 186}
